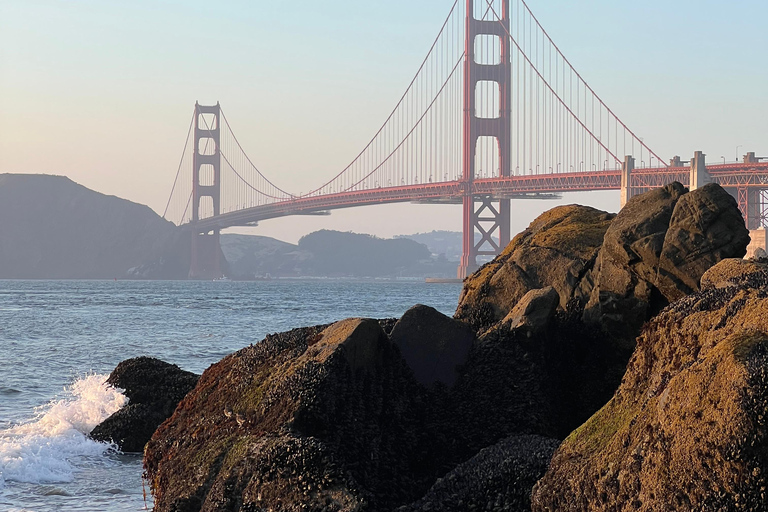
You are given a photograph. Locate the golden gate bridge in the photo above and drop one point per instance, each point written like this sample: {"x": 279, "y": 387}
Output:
{"x": 495, "y": 112}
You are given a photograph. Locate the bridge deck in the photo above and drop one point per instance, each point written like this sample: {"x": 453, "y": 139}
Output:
{"x": 729, "y": 175}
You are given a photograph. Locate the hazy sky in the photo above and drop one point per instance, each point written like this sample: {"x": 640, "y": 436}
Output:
{"x": 102, "y": 91}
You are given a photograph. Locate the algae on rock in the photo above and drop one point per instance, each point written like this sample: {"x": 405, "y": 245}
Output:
{"x": 686, "y": 430}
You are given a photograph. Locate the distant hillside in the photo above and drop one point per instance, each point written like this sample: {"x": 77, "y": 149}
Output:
{"x": 251, "y": 255}
{"x": 53, "y": 228}
{"x": 447, "y": 243}
{"x": 332, "y": 254}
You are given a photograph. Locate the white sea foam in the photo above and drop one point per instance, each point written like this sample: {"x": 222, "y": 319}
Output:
{"x": 42, "y": 450}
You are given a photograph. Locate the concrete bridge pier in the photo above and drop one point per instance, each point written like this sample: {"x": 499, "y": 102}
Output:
{"x": 699, "y": 174}
{"x": 206, "y": 256}
{"x": 752, "y": 199}
{"x": 627, "y": 192}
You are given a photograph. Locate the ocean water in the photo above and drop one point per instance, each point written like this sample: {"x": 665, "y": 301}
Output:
{"x": 60, "y": 339}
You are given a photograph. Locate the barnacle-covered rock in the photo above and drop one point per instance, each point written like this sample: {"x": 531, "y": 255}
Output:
{"x": 687, "y": 429}
{"x": 433, "y": 345}
{"x": 500, "y": 477}
{"x": 323, "y": 418}
{"x": 731, "y": 271}
{"x": 153, "y": 388}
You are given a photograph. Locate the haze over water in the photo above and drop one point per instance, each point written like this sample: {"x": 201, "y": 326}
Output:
{"x": 60, "y": 339}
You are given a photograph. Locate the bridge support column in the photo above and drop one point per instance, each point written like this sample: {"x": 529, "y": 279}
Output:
{"x": 752, "y": 202}
{"x": 699, "y": 174}
{"x": 206, "y": 183}
{"x": 486, "y": 214}
{"x": 754, "y": 206}
{"x": 626, "y": 179}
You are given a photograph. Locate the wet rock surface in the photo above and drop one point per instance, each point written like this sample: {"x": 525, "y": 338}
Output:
{"x": 687, "y": 429}
{"x": 153, "y": 388}
{"x": 433, "y": 345}
{"x": 500, "y": 477}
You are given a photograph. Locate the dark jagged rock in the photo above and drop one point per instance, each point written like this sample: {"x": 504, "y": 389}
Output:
{"x": 687, "y": 428}
{"x": 313, "y": 419}
{"x": 657, "y": 250}
{"x": 623, "y": 280}
{"x": 154, "y": 389}
{"x": 556, "y": 250}
{"x": 705, "y": 228}
{"x": 432, "y": 344}
{"x": 500, "y": 477}
{"x": 622, "y": 270}
{"x": 546, "y": 383}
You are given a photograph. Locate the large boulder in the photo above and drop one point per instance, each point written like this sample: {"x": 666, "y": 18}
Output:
{"x": 556, "y": 250}
{"x": 433, "y": 345}
{"x": 687, "y": 428}
{"x": 154, "y": 388}
{"x": 625, "y": 272}
{"x": 706, "y": 227}
{"x": 656, "y": 251}
{"x": 500, "y": 477}
{"x": 323, "y": 418}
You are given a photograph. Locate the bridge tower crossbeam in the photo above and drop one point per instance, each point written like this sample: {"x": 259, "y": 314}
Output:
{"x": 480, "y": 213}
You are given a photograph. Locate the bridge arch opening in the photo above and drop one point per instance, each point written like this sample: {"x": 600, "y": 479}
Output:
{"x": 205, "y": 207}
{"x": 487, "y": 158}
{"x": 487, "y": 100}
{"x": 482, "y": 11}
{"x": 207, "y": 121}
{"x": 206, "y": 146}
{"x": 487, "y": 50}
{"x": 207, "y": 176}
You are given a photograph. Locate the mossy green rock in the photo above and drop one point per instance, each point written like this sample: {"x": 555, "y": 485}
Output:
{"x": 556, "y": 250}
{"x": 687, "y": 429}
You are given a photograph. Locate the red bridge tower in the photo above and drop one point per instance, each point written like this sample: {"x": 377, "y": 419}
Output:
{"x": 206, "y": 183}
{"x": 487, "y": 214}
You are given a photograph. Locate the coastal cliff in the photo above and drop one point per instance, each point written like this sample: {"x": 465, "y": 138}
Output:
{"x": 53, "y": 228}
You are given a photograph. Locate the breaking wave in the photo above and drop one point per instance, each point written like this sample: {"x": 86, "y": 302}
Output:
{"x": 42, "y": 451}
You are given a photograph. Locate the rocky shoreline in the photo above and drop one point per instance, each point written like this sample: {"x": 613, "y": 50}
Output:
{"x": 602, "y": 362}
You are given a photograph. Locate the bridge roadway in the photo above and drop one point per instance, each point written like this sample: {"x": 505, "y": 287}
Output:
{"x": 740, "y": 176}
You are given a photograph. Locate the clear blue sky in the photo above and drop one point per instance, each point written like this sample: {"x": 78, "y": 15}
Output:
{"x": 102, "y": 90}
